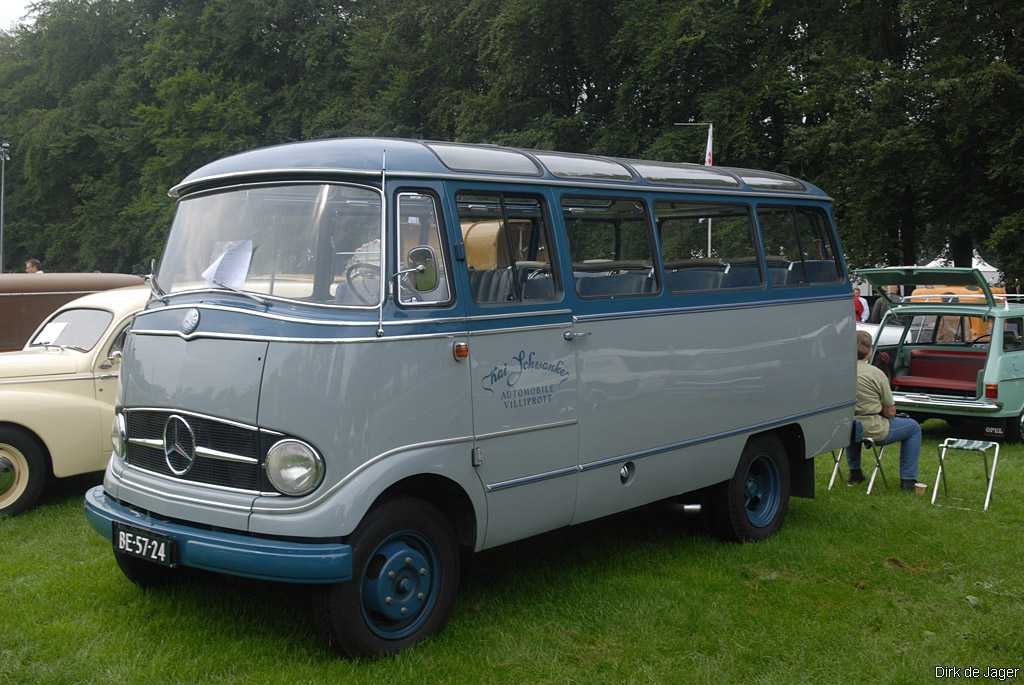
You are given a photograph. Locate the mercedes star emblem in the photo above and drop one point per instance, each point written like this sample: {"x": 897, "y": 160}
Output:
{"x": 179, "y": 445}
{"x": 190, "y": 322}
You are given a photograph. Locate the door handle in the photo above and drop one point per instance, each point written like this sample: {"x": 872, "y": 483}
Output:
{"x": 569, "y": 336}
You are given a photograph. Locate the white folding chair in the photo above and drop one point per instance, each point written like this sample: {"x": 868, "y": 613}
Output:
{"x": 877, "y": 450}
{"x": 963, "y": 445}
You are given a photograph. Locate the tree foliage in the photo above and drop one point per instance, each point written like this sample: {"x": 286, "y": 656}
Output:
{"x": 906, "y": 111}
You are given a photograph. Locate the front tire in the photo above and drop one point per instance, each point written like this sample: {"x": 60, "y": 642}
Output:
{"x": 405, "y": 574}
{"x": 24, "y": 471}
{"x": 753, "y": 504}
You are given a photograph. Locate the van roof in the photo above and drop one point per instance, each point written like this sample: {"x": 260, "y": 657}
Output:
{"x": 435, "y": 159}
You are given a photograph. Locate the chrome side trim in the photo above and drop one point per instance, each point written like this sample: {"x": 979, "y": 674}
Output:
{"x": 277, "y": 338}
{"x": 520, "y": 329}
{"x": 707, "y": 308}
{"x": 641, "y": 454}
{"x": 210, "y": 453}
{"x": 284, "y": 174}
{"x": 175, "y": 410}
{"x": 359, "y": 469}
{"x": 527, "y": 429}
{"x": 527, "y": 480}
{"x": 55, "y": 292}
{"x": 367, "y": 323}
{"x": 48, "y": 379}
{"x": 147, "y": 442}
{"x": 123, "y": 477}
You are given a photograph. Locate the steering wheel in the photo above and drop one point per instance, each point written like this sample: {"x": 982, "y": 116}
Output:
{"x": 980, "y": 338}
{"x": 364, "y": 281}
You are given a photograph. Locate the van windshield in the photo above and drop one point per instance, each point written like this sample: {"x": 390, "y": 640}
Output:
{"x": 315, "y": 243}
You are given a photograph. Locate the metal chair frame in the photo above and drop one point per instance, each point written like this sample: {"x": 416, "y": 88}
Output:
{"x": 837, "y": 458}
{"x": 964, "y": 445}
{"x": 877, "y": 450}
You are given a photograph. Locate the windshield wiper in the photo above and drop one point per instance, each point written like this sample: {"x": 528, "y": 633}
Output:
{"x": 251, "y": 296}
{"x": 47, "y": 346}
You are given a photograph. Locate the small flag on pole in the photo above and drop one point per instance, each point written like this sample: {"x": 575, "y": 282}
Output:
{"x": 708, "y": 161}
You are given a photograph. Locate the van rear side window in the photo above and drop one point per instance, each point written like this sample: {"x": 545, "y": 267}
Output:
{"x": 798, "y": 246}
{"x": 610, "y": 245}
{"x": 508, "y": 248}
{"x": 707, "y": 246}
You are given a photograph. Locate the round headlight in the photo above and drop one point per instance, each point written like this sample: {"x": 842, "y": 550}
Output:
{"x": 118, "y": 434}
{"x": 294, "y": 468}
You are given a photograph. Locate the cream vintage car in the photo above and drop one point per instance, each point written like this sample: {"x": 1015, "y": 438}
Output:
{"x": 57, "y": 395}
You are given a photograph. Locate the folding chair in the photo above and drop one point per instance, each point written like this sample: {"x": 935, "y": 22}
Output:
{"x": 856, "y": 433}
{"x": 962, "y": 445}
{"x": 878, "y": 451}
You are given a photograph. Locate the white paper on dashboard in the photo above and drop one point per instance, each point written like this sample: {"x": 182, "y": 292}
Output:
{"x": 232, "y": 265}
{"x": 50, "y": 332}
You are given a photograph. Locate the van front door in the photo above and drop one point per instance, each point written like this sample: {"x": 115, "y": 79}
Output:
{"x": 523, "y": 365}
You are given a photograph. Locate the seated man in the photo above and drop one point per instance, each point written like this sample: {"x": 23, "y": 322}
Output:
{"x": 877, "y": 412}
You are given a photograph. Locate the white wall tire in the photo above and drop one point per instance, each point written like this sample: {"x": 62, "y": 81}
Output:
{"x": 23, "y": 471}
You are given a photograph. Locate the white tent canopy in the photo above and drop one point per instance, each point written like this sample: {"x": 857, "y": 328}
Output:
{"x": 990, "y": 273}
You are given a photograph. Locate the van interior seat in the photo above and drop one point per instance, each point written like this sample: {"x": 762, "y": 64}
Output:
{"x": 694, "y": 275}
{"x": 943, "y": 370}
{"x": 491, "y": 285}
{"x": 821, "y": 271}
{"x": 535, "y": 281}
{"x": 742, "y": 275}
{"x": 628, "y": 283}
{"x": 777, "y": 274}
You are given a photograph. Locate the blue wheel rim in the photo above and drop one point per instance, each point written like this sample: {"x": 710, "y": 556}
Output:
{"x": 762, "y": 492}
{"x": 399, "y": 585}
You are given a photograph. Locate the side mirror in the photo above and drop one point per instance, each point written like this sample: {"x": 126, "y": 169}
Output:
{"x": 112, "y": 358}
{"x": 423, "y": 268}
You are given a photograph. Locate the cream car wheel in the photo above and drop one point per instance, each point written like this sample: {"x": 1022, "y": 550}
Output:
{"x": 13, "y": 475}
{"x": 24, "y": 470}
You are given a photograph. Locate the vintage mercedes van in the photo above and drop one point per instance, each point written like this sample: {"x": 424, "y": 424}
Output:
{"x": 366, "y": 356}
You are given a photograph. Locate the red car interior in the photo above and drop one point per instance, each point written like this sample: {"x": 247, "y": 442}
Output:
{"x": 955, "y": 370}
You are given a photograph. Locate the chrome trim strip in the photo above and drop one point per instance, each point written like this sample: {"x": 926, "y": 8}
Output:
{"x": 520, "y": 329}
{"x": 55, "y": 292}
{"x": 184, "y": 498}
{"x": 981, "y": 405}
{"x": 275, "y": 338}
{"x": 211, "y": 453}
{"x": 367, "y": 323}
{"x": 359, "y": 469}
{"x": 706, "y": 308}
{"x": 175, "y": 410}
{"x": 527, "y": 429}
{"x": 178, "y": 190}
{"x": 49, "y": 379}
{"x": 106, "y": 376}
{"x": 527, "y": 480}
{"x": 642, "y": 454}
{"x": 147, "y": 442}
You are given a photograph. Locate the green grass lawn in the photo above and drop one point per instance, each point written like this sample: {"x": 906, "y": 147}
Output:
{"x": 854, "y": 588}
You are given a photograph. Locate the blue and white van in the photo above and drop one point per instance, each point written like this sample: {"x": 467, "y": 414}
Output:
{"x": 364, "y": 357}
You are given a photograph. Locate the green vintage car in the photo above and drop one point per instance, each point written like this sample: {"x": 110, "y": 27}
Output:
{"x": 953, "y": 349}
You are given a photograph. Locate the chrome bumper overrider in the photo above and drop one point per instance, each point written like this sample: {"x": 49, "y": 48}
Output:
{"x": 914, "y": 400}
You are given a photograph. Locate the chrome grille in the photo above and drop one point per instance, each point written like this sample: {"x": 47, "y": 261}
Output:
{"x": 233, "y": 446}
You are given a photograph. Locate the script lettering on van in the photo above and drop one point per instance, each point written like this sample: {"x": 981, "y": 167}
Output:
{"x": 508, "y": 380}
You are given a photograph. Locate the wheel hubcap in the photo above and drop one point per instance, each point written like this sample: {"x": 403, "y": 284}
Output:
{"x": 13, "y": 474}
{"x": 762, "y": 492}
{"x": 7, "y": 475}
{"x": 400, "y": 585}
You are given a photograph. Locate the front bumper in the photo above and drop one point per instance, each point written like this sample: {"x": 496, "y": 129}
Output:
{"x": 235, "y": 554}
{"x": 914, "y": 401}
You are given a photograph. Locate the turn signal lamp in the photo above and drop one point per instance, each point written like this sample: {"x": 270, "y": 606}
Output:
{"x": 460, "y": 351}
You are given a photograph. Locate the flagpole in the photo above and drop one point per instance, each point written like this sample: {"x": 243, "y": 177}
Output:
{"x": 708, "y": 161}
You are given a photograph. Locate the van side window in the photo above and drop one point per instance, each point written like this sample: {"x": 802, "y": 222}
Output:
{"x": 418, "y": 226}
{"x": 798, "y": 246}
{"x": 610, "y": 244}
{"x": 1013, "y": 335}
{"x": 707, "y": 246}
{"x": 508, "y": 248}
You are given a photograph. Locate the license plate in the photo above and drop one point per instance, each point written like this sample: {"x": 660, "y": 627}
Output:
{"x": 143, "y": 544}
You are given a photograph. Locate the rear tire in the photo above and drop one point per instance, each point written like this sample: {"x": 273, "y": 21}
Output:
{"x": 24, "y": 471}
{"x": 405, "y": 574}
{"x": 145, "y": 574}
{"x": 1014, "y": 430}
{"x": 753, "y": 504}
